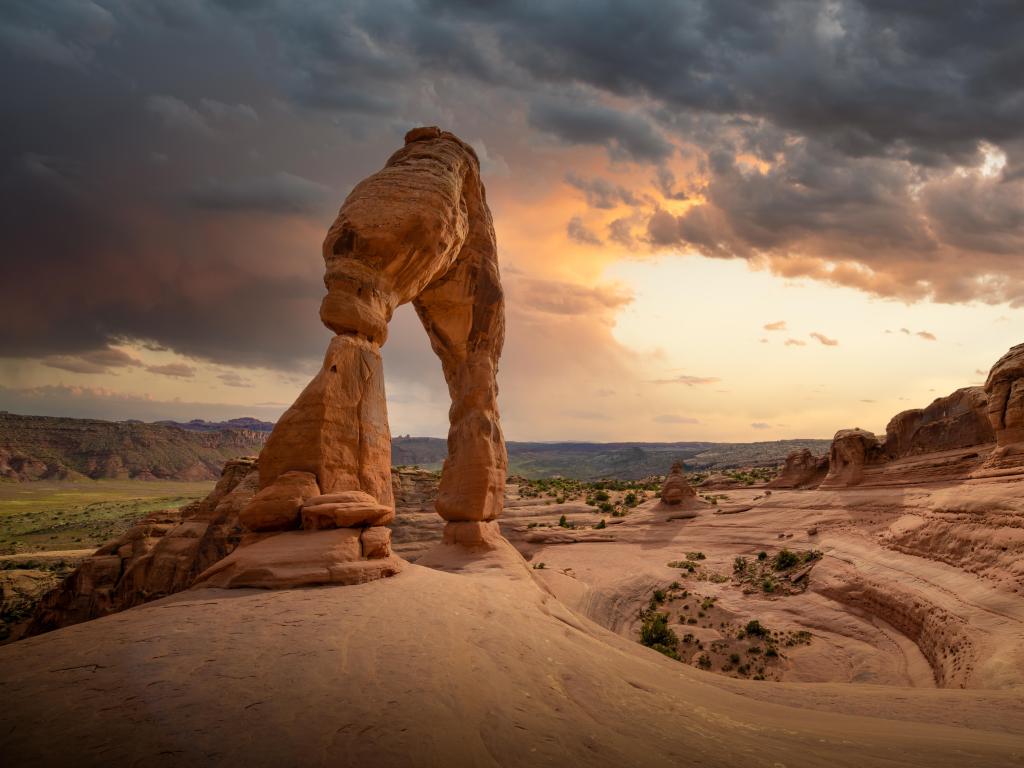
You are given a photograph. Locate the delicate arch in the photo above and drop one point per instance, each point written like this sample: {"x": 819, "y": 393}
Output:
{"x": 419, "y": 230}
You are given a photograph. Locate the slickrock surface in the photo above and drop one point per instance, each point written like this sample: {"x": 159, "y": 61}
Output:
{"x": 470, "y": 663}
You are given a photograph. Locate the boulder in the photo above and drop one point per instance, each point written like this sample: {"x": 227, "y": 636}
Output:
{"x": 344, "y": 510}
{"x": 802, "y": 470}
{"x": 851, "y": 451}
{"x": 277, "y": 506}
{"x": 303, "y": 558}
{"x": 675, "y": 489}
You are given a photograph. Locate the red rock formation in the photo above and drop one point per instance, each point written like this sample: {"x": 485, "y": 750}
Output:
{"x": 1005, "y": 390}
{"x": 802, "y": 470}
{"x": 419, "y": 231}
{"x": 675, "y": 489}
{"x": 959, "y": 420}
{"x": 851, "y": 450}
{"x": 157, "y": 557}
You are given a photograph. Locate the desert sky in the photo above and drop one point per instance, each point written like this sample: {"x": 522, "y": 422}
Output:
{"x": 717, "y": 220}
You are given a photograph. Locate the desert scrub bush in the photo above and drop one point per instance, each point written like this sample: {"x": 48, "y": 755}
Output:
{"x": 734, "y": 658}
{"x": 786, "y": 559}
{"x": 704, "y": 662}
{"x": 768, "y": 585}
{"x": 659, "y": 596}
{"x": 538, "y": 566}
{"x": 600, "y": 525}
{"x": 754, "y": 628}
{"x": 606, "y": 507}
{"x": 739, "y": 565}
{"x": 695, "y": 556}
{"x": 685, "y": 565}
{"x": 601, "y": 496}
{"x": 630, "y": 499}
{"x": 562, "y": 522}
{"x": 656, "y": 633}
{"x": 762, "y": 555}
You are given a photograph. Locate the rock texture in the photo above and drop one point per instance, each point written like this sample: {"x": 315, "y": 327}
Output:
{"x": 159, "y": 556}
{"x": 802, "y": 470}
{"x": 307, "y": 558}
{"x": 675, "y": 489}
{"x": 1005, "y": 390}
{"x": 417, "y": 231}
{"x": 959, "y": 420}
{"x": 851, "y": 450}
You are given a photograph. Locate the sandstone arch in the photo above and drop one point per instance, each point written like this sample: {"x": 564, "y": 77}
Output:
{"x": 419, "y": 230}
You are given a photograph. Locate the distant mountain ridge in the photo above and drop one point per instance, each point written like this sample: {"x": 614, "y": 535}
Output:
{"x": 623, "y": 461}
{"x": 46, "y": 447}
{"x": 199, "y": 425}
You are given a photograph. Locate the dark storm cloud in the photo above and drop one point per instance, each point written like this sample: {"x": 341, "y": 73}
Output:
{"x": 626, "y": 135}
{"x": 856, "y": 114}
{"x": 601, "y": 193}
{"x": 580, "y": 233}
{"x": 278, "y": 193}
{"x": 920, "y": 78}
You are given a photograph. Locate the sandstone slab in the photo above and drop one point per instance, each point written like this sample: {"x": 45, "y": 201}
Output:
{"x": 301, "y": 558}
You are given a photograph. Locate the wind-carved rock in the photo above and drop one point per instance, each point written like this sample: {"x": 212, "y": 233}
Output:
{"x": 1005, "y": 390}
{"x": 851, "y": 451}
{"x": 419, "y": 231}
{"x": 676, "y": 490}
{"x": 802, "y": 470}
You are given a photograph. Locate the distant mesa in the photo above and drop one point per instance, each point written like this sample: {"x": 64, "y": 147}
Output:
{"x": 199, "y": 425}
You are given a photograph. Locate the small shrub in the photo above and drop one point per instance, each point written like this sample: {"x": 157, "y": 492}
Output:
{"x": 695, "y": 556}
{"x": 538, "y": 567}
{"x": 601, "y": 496}
{"x": 762, "y": 555}
{"x": 786, "y": 559}
{"x": 704, "y": 662}
{"x": 739, "y": 565}
{"x": 754, "y": 628}
{"x": 562, "y": 522}
{"x": 659, "y": 595}
{"x": 601, "y": 525}
{"x": 654, "y": 630}
{"x": 734, "y": 658}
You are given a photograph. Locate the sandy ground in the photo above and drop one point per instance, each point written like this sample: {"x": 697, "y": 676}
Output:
{"x": 488, "y": 661}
